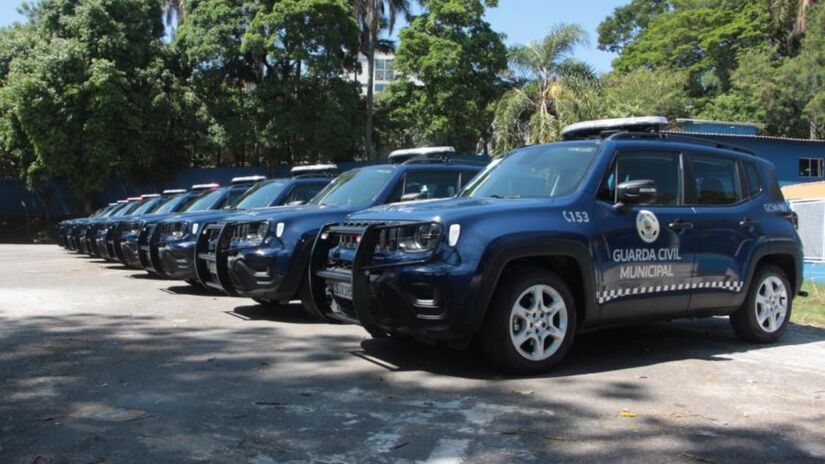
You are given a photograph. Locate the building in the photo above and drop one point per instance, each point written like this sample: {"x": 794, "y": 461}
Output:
{"x": 384, "y": 72}
{"x": 796, "y": 160}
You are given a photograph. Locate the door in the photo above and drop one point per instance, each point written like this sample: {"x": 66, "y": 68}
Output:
{"x": 643, "y": 253}
{"x": 726, "y": 226}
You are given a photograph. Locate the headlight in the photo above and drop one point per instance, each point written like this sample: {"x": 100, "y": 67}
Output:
{"x": 179, "y": 229}
{"x": 413, "y": 238}
{"x": 133, "y": 228}
{"x": 250, "y": 234}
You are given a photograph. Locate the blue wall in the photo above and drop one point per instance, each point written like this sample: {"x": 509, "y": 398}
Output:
{"x": 62, "y": 202}
{"x": 783, "y": 153}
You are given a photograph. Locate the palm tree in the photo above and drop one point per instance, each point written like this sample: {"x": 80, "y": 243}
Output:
{"x": 374, "y": 16}
{"x": 552, "y": 89}
{"x": 174, "y": 9}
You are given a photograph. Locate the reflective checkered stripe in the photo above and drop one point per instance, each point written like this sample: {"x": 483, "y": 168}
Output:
{"x": 610, "y": 295}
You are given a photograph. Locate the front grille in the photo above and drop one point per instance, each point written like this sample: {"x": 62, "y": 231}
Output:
{"x": 165, "y": 228}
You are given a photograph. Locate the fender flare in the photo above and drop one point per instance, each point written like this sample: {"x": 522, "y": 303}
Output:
{"x": 773, "y": 248}
{"x": 505, "y": 250}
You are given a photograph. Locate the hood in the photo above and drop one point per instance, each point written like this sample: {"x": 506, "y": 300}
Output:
{"x": 291, "y": 213}
{"x": 447, "y": 210}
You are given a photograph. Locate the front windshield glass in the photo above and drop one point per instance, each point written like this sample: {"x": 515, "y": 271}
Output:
{"x": 355, "y": 187}
{"x": 126, "y": 210}
{"x": 542, "y": 171}
{"x": 114, "y": 210}
{"x": 169, "y": 204}
{"x": 206, "y": 201}
{"x": 145, "y": 207}
{"x": 261, "y": 195}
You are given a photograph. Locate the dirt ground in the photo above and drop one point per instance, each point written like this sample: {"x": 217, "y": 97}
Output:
{"x": 103, "y": 364}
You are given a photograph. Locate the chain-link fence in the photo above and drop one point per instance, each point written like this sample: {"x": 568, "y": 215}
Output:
{"x": 811, "y": 227}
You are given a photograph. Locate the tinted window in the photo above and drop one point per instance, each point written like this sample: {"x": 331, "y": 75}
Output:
{"x": 206, "y": 201}
{"x": 752, "y": 178}
{"x": 355, "y": 187}
{"x": 170, "y": 204}
{"x": 146, "y": 207}
{"x": 658, "y": 166}
{"x": 303, "y": 193}
{"x": 543, "y": 171}
{"x": 431, "y": 184}
{"x": 261, "y": 195}
{"x": 232, "y": 198}
{"x": 716, "y": 180}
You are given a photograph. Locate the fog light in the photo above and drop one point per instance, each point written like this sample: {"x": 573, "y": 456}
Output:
{"x": 455, "y": 233}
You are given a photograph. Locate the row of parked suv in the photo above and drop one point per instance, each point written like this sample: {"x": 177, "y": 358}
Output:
{"x": 620, "y": 222}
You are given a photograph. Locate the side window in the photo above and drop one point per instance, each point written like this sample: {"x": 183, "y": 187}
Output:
{"x": 431, "y": 184}
{"x": 466, "y": 176}
{"x": 754, "y": 183}
{"x": 716, "y": 180}
{"x": 230, "y": 198}
{"x": 662, "y": 167}
{"x": 303, "y": 193}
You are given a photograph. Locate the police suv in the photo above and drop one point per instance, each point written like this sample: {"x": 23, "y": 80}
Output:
{"x": 619, "y": 223}
{"x": 264, "y": 254}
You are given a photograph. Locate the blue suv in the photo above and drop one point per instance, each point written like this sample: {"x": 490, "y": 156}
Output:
{"x": 620, "y": 223}
{"x": 264, "y": 254}
{"x": 168, "y": 246}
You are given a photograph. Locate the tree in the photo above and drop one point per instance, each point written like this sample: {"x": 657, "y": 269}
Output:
{"x": 371, "y": 16}
{"x": 702, "y": 37}
{"x": 556, "y": 90}
{"x": 452, "y": 61}
{"x": 174, "y": 12}
{"x": 644, "y": 92}
{"x": 92, "y": 96}
{"x": 627, "y": 22}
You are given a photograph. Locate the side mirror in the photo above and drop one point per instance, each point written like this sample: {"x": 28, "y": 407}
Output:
{"x": 637, "y": 192}
{"x": 412, "y": 196}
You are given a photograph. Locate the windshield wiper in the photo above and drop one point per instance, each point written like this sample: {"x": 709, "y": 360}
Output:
{"x": 506, "y": 197}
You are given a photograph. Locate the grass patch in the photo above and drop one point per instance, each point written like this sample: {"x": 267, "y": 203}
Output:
{"x": 810, "y": 310}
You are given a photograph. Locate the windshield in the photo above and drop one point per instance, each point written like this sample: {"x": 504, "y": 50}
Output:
{"x": 170, "y": 204}
{"x": 126, "y": 210}
{"x": 261, "y": 195}
{"x": 542, "y": 171}
{"x": 354, "y": 187}
{"x": 145, "y": 207}
{"x": 206, "y": 201}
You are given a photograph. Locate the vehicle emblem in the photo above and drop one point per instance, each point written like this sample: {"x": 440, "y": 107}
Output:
{"x": 648, "y": 226}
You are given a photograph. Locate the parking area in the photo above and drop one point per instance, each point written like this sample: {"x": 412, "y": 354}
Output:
{"x": 99, "y": 363}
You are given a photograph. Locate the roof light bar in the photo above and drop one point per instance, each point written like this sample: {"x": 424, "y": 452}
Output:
{"x": 149, "y": 195}
{"x": 206, "y": 186}
{"x": 173, "y": 191}
{"x": 313, "y": 169}
{"x": 595, "y": 128}
{"x": 247, "y": 179}
{"x": 399, "y": 156}
{"x": 133, "y": 199}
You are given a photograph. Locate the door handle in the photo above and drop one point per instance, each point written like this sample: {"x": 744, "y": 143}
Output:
{"x": 748, "y": 222}
{"x": 680, "y": 225}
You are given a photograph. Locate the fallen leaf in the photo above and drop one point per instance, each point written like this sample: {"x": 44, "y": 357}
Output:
{"x": 627, "y": 413}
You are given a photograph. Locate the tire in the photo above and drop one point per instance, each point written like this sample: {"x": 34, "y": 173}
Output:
{"x": 764, "y": 316}
{"x": 310, "y": 308}
{"x": 512, "y": 315}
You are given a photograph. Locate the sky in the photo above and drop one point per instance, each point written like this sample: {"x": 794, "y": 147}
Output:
{"x": 520, "y": 20}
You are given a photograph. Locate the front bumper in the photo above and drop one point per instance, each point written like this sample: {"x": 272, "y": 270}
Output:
{"x": 176, "y": 260}
{"x": 425, "y": 298}
{"x": 266, "y": 271}
{"x": 128, "y": 251}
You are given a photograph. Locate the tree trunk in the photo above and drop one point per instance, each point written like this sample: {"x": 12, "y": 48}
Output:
{"x": 373, "y": 34}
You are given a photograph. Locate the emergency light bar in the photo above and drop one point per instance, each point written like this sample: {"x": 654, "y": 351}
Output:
{"x": 133, "y": 199}
{"x": 589, "y": 129}
{"x": 149, "y": 195}
{"x": 247, "y": 179}
{"x": 173, "y": 191}
{"x": 406, "y": 154}
{"x": 205, "y": 186}
{"x": 317, "y": 169}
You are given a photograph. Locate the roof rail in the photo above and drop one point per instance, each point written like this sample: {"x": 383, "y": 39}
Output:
{"x": 247, "y": 179}
{"x": 314, "y": 170}
{"x": 173, "y": 191}
{"x": 676, "y": 138}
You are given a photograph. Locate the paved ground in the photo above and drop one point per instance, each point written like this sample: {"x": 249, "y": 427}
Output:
{"x": 102, "y": 364}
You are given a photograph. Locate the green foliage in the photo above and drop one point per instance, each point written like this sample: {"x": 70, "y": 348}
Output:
{"x": 454, "y": 59}
{"x": 703, "y": 37}
{"x": 627, "y": 21}
{"x": 88, "y": 95}
{"x": 554, "y": 90}
{"x": 644, "y": 91}
{"x": 809, "y": 70}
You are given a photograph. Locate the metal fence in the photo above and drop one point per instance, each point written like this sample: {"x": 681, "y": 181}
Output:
{"x": 811, "y": 227}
